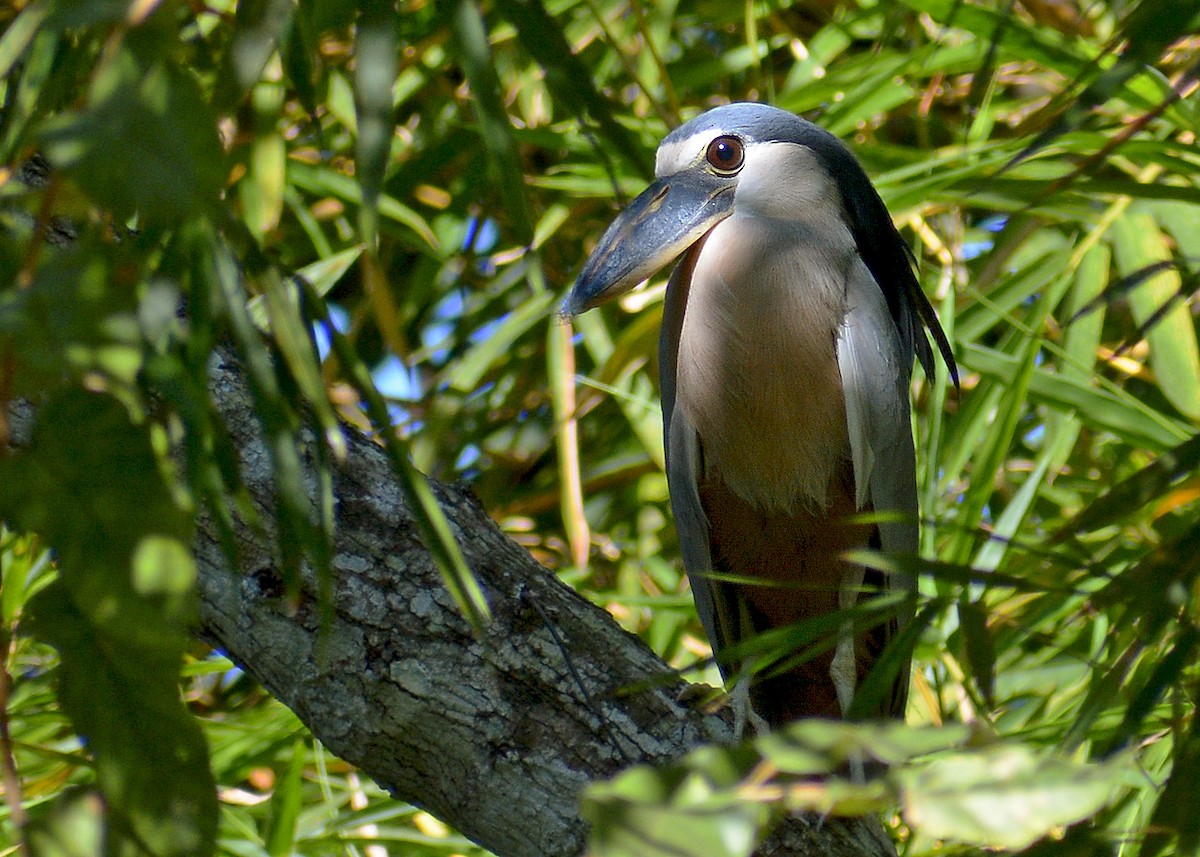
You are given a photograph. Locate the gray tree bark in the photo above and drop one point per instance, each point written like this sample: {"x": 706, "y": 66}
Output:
{"x": 497, "y": 736}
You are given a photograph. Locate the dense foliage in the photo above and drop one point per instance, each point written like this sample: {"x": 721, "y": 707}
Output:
{"x": 438, "y": 171}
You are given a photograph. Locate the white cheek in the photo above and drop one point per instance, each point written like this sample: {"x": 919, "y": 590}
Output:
{"x": 785, "y": 181}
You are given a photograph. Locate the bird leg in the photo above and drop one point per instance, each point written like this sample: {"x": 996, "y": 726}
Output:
{"x": 844, "y": 669}
{"x": 743, "y": 710}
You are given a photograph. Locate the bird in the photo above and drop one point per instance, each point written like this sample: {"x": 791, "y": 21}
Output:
{"x": 789, "y": 330}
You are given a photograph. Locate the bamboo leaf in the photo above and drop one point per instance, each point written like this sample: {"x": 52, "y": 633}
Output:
{"x": 376, "y": 44}
{"x": 467, "y": 24}
{"x": 1138, "y": 244}
{"x": 286, "y": 804}
{"x": 466, "y": 374}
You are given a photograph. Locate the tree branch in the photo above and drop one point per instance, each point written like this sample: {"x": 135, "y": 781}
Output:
{"x": 496, "y": 736}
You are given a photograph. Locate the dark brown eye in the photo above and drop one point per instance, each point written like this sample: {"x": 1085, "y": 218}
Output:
{"x": 726, "y": 154}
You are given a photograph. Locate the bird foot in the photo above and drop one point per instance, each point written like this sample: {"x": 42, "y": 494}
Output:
{"x": 743, "y": 711}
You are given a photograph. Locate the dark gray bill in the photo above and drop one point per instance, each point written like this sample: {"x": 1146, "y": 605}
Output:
{"x": 666, "y": 218}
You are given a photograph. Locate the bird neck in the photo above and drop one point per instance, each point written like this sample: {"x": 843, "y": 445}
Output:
{"x": 757, "y": 372}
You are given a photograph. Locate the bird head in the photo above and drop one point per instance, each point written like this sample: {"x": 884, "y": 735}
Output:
{"x": 740, "y": 158}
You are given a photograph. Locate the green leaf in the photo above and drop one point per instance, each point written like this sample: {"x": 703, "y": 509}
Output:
{"x": 1006, "y": 796}
{"x": 1175, "y": 815}
{"x": 261, "y": 189}
{"x": 1116, "y": 411}
{"x": 1142, "y": 488}
{"x": 1139, "y": 243}
{"x": 286, "y": 803}
{"x": 19, "y": 34}
{"x": 258, "y": 30}
{"x": 324, "y": 180}
{"x": 154, "y": 116}
{"x": 297, "y": 534}
{"x": 689, "y": 810}
{"x": 73, "y": 826}
{"x": 39, "y": 49}
{"x": 822, "y": 746}
{"x": 75, "y": 318}
{"x": 569, "y": 77}
{"x": 466, "y": 22}
{"x": 430, "y": 519}
{"x": 322, "y": 275}
{"x": 981, "y": 652}
{"x": 151, "y": 759}
{"x": 162, "y": 565}
{"x": 91, "y": 483}
{"x": 467, "y": 372}
{"x": 375, "y": 46}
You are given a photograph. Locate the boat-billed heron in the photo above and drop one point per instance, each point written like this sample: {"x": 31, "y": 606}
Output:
{"x": 788, "y": 334}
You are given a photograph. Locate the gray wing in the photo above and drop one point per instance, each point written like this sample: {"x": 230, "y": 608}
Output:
{"x": 682, "y": 447}
{"x": 875, "y": 377}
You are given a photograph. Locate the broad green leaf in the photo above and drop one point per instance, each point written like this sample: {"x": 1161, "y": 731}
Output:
{"x": 1006, "y": 796}
{"x": 77, "y": 318}
{"x": 155, "y": 117}
{"x": 151, "y": 759}
{"x": 688, "y": 810}
{"x": 92, "y": 485}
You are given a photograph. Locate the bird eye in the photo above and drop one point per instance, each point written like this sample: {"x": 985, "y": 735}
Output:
{"x": 726, "y": 154}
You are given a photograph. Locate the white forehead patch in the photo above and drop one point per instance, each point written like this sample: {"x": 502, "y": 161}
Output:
{"x": 781, "y": 180}
{"x": 679, "y": 155}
